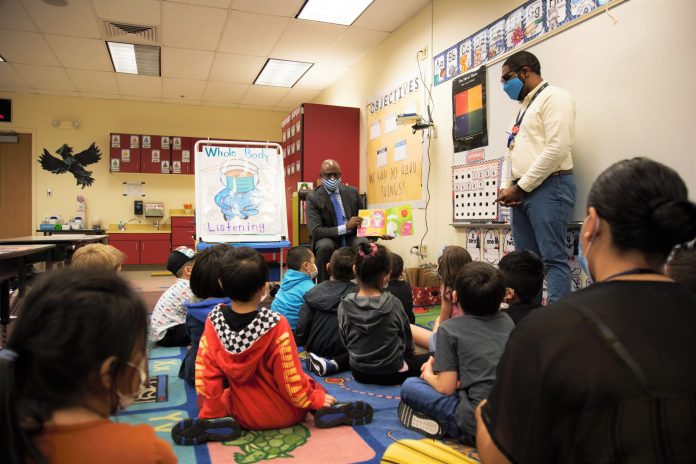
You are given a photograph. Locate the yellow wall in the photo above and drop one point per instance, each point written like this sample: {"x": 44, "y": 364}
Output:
{"x": 393, "y": 62}
{"x": 34, "y": 113}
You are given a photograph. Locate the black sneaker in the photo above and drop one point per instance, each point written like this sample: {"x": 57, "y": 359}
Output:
{"x": 320, "y": 366}
{"x": 197, "y": 431}
{"x": 419, "y": 422}
{"x": 353, "y": 413}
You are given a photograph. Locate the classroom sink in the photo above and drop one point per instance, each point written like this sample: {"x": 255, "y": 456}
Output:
{"x": 134, "y": 228}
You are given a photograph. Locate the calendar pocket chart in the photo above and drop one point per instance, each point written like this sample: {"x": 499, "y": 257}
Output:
{"x": 474, "y": 190}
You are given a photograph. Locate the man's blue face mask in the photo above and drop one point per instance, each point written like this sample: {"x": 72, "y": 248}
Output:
{"x": 331, "y": 183}
{"x": 513, "y": 87}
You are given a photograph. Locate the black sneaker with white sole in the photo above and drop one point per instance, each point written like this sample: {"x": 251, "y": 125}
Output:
{"x": 352, "y": 413}
{"x": 197, "y": 431}
{"x": 419, "y": 422}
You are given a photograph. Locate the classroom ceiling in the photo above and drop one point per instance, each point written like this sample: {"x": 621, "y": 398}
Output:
{"x": 211, "y": 50}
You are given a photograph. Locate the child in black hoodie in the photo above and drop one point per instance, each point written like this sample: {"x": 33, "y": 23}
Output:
{"x": 317, "y": 327}
{"x": 374, "y": 326}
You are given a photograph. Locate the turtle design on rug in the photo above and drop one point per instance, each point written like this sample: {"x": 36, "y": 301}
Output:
{"x": 268, "y": 444}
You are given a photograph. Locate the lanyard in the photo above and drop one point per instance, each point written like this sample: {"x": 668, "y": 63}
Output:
{"x": 520, "y": 117}
{"x": 637, "y": 270}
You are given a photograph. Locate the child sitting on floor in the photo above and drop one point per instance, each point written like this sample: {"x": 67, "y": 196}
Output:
{"x": 207, "y": 295}
{"x": 298, "y": 279}
{"x": 523, "y": 272}
{"x": 168, "y": 320}
{"x": 97, "y": 256}
{"x": 400, "y": 288}
{"x": 374, "y": 326}
{"x": 248, "y": 368}
{"x": 75, "y": 357}
{"x": 452, "y": 260}
{"x": 317, "y": 328}
{"x": 463, "y": 370}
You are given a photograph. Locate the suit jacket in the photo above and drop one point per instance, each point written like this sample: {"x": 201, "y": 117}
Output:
{"x": 321, "y": 216}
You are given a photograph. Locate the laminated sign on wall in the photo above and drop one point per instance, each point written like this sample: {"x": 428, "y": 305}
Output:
{"x": 240, "y": 192}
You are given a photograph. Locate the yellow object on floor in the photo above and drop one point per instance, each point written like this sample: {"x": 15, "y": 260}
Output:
{"x": 160, "y": 274}
{"x": 426, "y": 451}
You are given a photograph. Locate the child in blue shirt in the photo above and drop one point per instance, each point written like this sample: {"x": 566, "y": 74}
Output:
{"x": 298, "y": 279}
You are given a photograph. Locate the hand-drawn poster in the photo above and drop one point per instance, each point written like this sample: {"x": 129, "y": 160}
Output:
{"x": 491, "y": 246}
{"x": 469, "y": 128}
{"x": 395, "y": 158}
{"x": 240, "y": 192}
{"x": 440, "y": 71}
{"x": 473, "y": 244}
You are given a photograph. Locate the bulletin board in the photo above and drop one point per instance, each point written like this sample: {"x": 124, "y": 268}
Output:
{"x": 240, "y": 192}
{"x": 394, "y": 152}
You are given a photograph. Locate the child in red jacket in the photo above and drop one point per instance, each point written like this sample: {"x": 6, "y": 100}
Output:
{"x": 253, "y": 351}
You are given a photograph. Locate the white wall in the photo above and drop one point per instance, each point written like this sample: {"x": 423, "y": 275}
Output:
{"x": 631, "y": 82}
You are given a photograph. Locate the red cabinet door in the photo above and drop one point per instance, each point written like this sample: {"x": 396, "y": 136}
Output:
{"x": 130, "y": 248}
{"x": 183, "y": 236}
{"x": 154, "y": 251}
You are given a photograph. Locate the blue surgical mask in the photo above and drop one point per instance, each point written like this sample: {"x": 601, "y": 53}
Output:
{"x": 513, "y": 88}
{"x": 241, "y": 184}
{"x": 331, "y": 183}
{"x": 582, "y": 257}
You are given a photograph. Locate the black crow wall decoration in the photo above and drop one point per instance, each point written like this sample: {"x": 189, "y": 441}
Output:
{"x": 73, "y": 163}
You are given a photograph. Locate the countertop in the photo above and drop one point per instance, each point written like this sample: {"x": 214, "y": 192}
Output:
{"x": 140, "y": 229}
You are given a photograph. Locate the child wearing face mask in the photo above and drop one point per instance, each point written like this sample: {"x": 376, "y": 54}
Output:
{"x": 298, "y": 279}
{"x": 248, "y": 372}
{"x": 76, "y": 356}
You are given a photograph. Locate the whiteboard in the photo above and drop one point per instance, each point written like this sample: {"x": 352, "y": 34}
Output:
{"x": 240, "y": 192}
{"x": 633, "y": 84}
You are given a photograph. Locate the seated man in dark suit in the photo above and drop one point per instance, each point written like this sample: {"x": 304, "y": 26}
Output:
{"x": 332, "y": 216}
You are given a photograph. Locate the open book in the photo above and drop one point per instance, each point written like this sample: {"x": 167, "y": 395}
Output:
{"x": 396, "y": 221}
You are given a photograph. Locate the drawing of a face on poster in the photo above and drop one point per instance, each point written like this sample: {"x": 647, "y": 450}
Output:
{"x": 465, "y": 58}
{"x": 514, "y": 32}
{"x": 239, "y": 198}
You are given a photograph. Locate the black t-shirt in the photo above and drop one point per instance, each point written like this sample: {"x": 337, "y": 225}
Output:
{"x": 563, "y": 394}
{"x": 237, "y": 321}
{"x": 402, "y": 291}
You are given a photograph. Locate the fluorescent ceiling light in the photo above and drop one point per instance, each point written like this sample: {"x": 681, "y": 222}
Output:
{"x": 282, "y": 73}
{"x": 135, "y": 59}
{"x": 342, "y": 12}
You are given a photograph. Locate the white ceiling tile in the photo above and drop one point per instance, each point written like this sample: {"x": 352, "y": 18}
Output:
{"x": 224, "y": 92}
{"x": 27, "y": 48}
{"x": 175, "y": 88}
{"x": 76, "y": 19}
{"x": 251, "y": 34}
{"x": 81, "y": 53}
{"x": 142, "y": 12}
{"x": 353, "y": 46}
{"x": 213, "y": 3}
{"x": 103, "y": 96}
{"x": 259, "y": 95}
{"x": 94, "y": 81}
{"x": 321, "y": 76}
{"x": 188, "y": 26}
{"x": 186, "y": 64}
{"x": 388, "y": 15}
{"x": 45, "y": 77}
{"x": 287, "y": 8}
{"x": 296, "y": 96}
{"x": 140, "y": 86}
{"x": 236, "y": 68}
{"x": 306, "y": 40}
{"x": 13, "y": 16}
{"x": 9, "y": 77}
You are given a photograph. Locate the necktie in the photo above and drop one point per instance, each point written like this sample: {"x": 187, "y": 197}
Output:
{"x": 340, "y": 220}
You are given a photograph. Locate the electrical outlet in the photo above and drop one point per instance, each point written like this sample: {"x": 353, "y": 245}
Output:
{"x": 424, "y": 250}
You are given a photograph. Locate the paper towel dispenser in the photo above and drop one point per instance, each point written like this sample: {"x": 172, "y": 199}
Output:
{"x": 154, "y": 209}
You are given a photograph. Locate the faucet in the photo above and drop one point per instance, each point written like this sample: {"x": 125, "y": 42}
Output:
{"x": 122, "y": 225}
{"x": 157, "y": 225}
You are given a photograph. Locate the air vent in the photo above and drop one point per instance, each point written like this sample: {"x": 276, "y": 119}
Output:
{"x": 133, "y": 33}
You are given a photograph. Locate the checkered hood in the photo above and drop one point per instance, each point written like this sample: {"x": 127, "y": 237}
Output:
{"x": 238, "y": 342}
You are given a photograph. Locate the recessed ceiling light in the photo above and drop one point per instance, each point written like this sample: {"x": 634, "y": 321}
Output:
{"x": 282, "y": 73}
{"x": 134, "y": 58}
{"x": 333, "y": 11}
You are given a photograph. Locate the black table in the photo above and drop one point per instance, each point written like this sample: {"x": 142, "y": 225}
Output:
{"x": 13, "y": 263}
{"x": 66, "y": 244}
{"x": 73, "y": 231}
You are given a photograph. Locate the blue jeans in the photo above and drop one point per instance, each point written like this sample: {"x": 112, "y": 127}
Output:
{"x": 418, "y": 394}
{"x": 540, "y": 224}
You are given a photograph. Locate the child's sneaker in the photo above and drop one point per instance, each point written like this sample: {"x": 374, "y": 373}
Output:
{"x": 197, "y": 431}
{"x": 419, "y": 422}
{"x": 320, "y": 366}
{"x": 353, "y": 413}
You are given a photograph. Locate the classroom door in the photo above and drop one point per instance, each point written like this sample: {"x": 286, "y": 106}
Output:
{"x": 15, "y": 187}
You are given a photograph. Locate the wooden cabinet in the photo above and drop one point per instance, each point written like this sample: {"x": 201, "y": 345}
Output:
{"x": 300, "y": 232}
{"x": 183, "y": 231}
{"x": 142, "y": 248}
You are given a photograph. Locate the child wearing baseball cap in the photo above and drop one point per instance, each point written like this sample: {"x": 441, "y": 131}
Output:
{"x": 168, "y": 320}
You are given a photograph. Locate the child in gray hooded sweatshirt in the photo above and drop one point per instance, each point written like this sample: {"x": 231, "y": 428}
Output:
{"x": 373, "y": 325}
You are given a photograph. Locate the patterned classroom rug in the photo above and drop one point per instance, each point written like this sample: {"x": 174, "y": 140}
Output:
{"x": 170, "y": 399}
